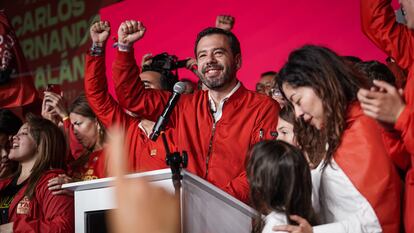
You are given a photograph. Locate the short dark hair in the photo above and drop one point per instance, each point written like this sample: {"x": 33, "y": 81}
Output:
{"x": 234, "y": 42}
{"x": 375, "y": 70}
{"x": 9, "y": 122}
{"x": 268, "y": 73}
{"x": 167, "y": 78}
{"x": 162, "y": 64}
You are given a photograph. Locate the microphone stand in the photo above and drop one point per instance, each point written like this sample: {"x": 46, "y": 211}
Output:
{"x": 176, "y": 163}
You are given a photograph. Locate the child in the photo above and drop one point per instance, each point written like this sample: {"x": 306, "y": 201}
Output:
{"x": 280, "y": 185}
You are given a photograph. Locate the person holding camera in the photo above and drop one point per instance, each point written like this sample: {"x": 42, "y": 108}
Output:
{"x": 158, "y": 71}
{"x": 216, "y": 127}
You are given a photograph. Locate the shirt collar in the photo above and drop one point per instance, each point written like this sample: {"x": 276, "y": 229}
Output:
{"x": 218, "y": 110}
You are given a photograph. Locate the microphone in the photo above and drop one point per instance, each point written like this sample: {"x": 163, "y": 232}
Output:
{"x": 162, "y": 121}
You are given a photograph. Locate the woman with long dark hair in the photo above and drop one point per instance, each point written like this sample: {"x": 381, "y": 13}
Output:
{"x": 27, "y": 203}
{"x": 359, "y": 188}
{"x": 280, "y": 185}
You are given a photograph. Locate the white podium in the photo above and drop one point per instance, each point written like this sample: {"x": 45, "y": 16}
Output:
{"x": 204, "y": 207}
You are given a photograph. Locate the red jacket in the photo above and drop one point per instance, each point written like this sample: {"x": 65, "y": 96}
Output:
{"x": 46, "y": 213}
{"x": 94, "y": 168}
{"x": 144, "y": 154}
{"x": 76, "y": 148}
{"x": 363, "y": 158}
{"x": 217, "y": 151}
{"x": 20, "y": 90}
{"x": 397, "y": 40}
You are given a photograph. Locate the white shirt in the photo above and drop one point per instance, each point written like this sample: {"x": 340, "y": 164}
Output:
{"x": 218, "y": 110}
{"x": 274, "y": 219}
{"x": 343, "y": 209}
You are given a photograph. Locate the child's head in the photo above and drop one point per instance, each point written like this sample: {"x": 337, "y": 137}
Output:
{"x": 280, "y": 181}
{"x": 285, "y": 125}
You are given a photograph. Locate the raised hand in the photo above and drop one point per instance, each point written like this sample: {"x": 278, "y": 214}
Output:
{"x": 100, "y": 32}
{"x": 141, "y": 206}
{"x": 55, "y": 102}
{"x": 192, "y": 66}
{"x": 225, "y": 22}
{"x": 48, "y": 112}
{"x": 146, "y": 59}
{"x": 383, "y": 102}
{"x": 130, "y": 31}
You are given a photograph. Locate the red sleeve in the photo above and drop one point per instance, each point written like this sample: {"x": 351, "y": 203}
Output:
{"x": 397, "y": 40}
{"x": 239, "y": 188}
{"x": 76, "y": 148}
{"x": 396, "y": 149}
{"x": 380, "y": 26}
{"x": 363, "y": 158}
{"x": 102, "y": 103}
{"x": 132, "y": 95}
{"x": 405, "y": 124}
{"x": 57, "y": 212}
{"x": 265, "y": 125}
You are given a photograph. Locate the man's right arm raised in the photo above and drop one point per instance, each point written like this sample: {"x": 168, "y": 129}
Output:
{"x": 128, "y": 86}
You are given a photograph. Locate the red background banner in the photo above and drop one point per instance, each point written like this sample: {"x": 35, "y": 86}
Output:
{"x": 267, "y": 29}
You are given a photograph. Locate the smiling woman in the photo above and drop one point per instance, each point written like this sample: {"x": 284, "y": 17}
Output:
{"x": 27, "y": 204}
{"x": 356, "y": 172}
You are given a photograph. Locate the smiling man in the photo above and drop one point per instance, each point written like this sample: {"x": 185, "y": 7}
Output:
{"x": 216, "y": 127}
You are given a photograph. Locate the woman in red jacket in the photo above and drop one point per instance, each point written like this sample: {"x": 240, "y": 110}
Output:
{"x": 85, "y": 134}
{"x": 26, "y": 203}
{"x": 90, "y": 133}
{"x": 359, "y": 188}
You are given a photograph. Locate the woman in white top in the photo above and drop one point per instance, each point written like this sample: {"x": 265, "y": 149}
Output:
{"x": 359, "y": 188}
{"x": 280, "y": 185}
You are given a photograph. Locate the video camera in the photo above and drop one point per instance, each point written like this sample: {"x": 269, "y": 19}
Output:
{"x": 164, "y": 61}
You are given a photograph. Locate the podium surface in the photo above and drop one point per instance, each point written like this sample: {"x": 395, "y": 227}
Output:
{"x": 204, "y": 207}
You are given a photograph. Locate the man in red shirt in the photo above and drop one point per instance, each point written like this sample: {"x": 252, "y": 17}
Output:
{"x": 216, "y": 127}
